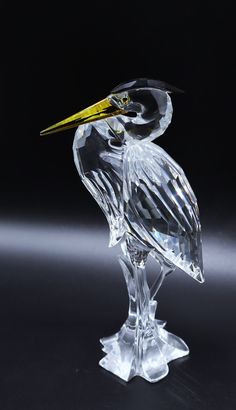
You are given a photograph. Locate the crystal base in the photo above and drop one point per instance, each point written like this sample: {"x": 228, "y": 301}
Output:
{"x": 148, "y": 357}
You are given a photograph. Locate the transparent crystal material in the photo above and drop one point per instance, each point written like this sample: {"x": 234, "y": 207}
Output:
{"x": 152, "y": 211}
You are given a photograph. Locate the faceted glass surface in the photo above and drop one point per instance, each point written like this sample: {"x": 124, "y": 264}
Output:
{"x": 152, "y": 211}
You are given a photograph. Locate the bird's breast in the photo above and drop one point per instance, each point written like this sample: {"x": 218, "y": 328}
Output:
{"x": 100, "y": 165}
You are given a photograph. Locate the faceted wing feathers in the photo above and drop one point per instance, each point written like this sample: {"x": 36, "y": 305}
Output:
{"x": 160, "y": 206}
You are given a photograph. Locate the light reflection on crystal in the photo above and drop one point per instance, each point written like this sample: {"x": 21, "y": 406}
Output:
{"x": 151, "y": 210}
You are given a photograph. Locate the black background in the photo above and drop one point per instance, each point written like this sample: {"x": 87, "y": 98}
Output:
{"x": 60, "y": 287}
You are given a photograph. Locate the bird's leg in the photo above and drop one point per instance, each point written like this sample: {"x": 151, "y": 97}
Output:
{"x": 124, "y": 349}
{"x": 142, "y": 347}
{"x": 139, "y": 293}
{"x": 165, "y": 269}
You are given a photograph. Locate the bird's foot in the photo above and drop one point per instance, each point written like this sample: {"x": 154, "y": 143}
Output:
{"x": 145, "y": 353}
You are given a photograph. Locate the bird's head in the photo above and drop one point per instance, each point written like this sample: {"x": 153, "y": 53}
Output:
{"x": 138, "y": 109}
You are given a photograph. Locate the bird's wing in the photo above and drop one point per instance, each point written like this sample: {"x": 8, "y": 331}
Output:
{"x": 160, "y": 206}
{"x": 101, "y": 169}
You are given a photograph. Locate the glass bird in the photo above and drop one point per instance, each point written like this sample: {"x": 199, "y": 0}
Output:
{"x": 151, "y": 211}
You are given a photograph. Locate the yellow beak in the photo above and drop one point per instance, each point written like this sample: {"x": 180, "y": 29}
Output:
{"x": 99, "y": 111}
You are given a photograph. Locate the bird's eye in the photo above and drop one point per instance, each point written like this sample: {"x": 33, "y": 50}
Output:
{"x": 125, "y": 100}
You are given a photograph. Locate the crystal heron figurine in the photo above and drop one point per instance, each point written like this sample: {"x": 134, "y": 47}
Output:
{"x": 150, "y": 208}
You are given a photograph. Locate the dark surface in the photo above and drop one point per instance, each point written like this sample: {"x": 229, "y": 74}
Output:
{"x": 60, "y": 287}
{"x": 57, "y": 300}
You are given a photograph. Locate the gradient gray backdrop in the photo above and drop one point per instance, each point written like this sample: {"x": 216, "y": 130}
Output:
{"x": 61, "y": 288}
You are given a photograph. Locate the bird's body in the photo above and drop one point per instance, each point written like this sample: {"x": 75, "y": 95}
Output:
{"x": 151, "y": 210}
{"x": 144, "y": 193}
